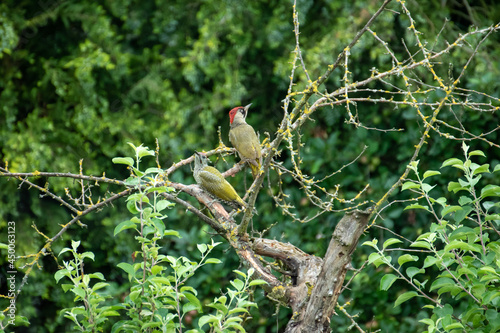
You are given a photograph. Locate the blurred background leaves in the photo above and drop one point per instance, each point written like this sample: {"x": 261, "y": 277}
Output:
{"x": 80, "y": 79}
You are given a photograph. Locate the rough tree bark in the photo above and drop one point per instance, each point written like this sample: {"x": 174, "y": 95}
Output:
{"x": 316, "y": 282}
{"x": 314, "y": 313}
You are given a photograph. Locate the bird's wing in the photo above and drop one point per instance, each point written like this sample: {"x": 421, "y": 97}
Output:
{"x": 211, "y": 179}
{"x": 251, "y": 145}
{"x": 256, "y": 147}
{"x": 214, "y": 183}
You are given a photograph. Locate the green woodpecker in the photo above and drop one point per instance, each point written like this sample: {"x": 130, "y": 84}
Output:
{"x": 212, "y": 181}
{"x": 244, "y": 139}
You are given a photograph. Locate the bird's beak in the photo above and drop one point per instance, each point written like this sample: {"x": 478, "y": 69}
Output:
{"x": 247, "y": 107}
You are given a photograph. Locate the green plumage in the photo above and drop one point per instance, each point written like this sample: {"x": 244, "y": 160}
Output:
{"x": 243, "y": 137}
{"x": 212, "y": 181}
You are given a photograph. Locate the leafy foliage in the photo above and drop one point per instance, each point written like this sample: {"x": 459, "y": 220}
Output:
{"x": 461, "y": 261}
{"x": 155, "y": 301}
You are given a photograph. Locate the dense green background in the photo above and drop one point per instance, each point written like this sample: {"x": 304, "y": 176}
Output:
{"x": 80, "y": 79}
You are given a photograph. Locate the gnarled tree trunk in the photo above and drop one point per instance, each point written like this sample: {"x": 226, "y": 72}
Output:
{"x": 312, "y": 311}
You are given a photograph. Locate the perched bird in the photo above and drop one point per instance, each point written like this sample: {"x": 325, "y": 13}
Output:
{"x": 212, "y": 181}
{"x": 244, "y": 139}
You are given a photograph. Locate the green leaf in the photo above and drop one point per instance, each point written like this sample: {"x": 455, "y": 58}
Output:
{"x": 60, "y": 274}
{"x": 487, "y": 269}
{"x": 99, "y": 285}
{"x": 78, "y": 291}
{"x": 134, "y": 295}
{"x": 189, "y": 307}
{"x": 123, "y": 226}
{"x": 387, "y": 281}
{"x": 490, "y": 191}
{"x": 237, "y": 310}
{"x": 371, "y": 243}
{"x": 378, "y": 259}
{"x": 412, "y": 271}
{"x": 123, "y": 160}
{"x": 142, "y": 151}
{"x": 442, "y": 282}
{"x": 462, "y": 214}
{"x": 413, "y": 165}
{"x": 65, "y": 287}
{"x": 220, "y": 307}
{"x": 422, "y": 244}
{"x": 75, "y": 245}
{"x": 235, "y": 327}
{"x": 238, "y": 284}
{"x": 453, "y": 326}
{"x": 474, "y": 180}
{"x": 161, "y": 280}
{"x": 449, "y": 209}
{"x": 159, "y": 189}
{"x": 482, "y": 169}
{"x": 490, "y": 296}
{"x": 441, "y": 201}
{"x": 464, "y": 200}
{"x": 405, "y": 297}
{"x": 390, "y": 242}
{"x": 464, "y": 184}
{"x": 162, "y": 204}
{"x": 427, "y": 188}
{"x": 147, "y": 231}
{"x": 476, "y": 153}
{"x": 240, "y": 273}
{"x": 429, "y": 261}
{"x": 465, "y": 147}
{"x": 194, "y": 301}
{"x": 207, "y": 320}
{"x": 462, "y": 233}
{"x": 457, "y": 244}
{"x": 128, "y": 268}
{"x": 221, "y": 299}
{"x": 156, "y": 269}
{"x": 492, "y": 217}
{"x": 489, "y": 204}
{"x": 159, "y": 225}
{"x": 409, "y": 185}
{"x": 153, "y": 170}
{"x": 446, "y": 310}
{"x": 406, "y": 258}
{"x": 452, "y": 162}
{"x": 172, "y": 233}
{"x": 132, "y": 181}
{"x": 131, "y": 207}
{"x": 455, "y": 187}
{"x": 213, "y": 261}
{"x": 497, "y": 168}
{"x": 256, "y": 282}
{"x": 430, "y": 173}
{"x": 417, "y": 206}
{"x": 429, "y": 322}
{"x": 110, "y": 313}
{"x": 89, "y": 255}
{"x": 202, "y": 248}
